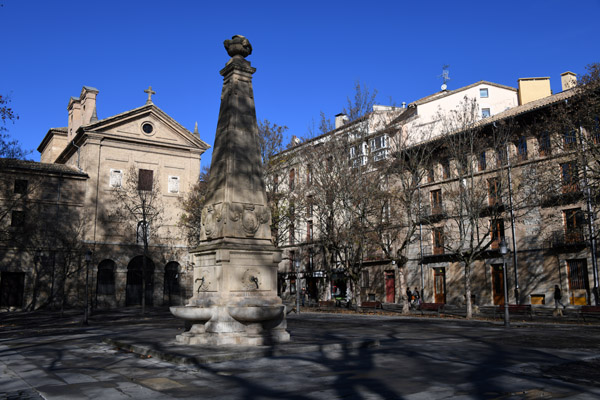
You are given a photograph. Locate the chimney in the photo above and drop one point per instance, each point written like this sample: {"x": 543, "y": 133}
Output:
{"x": 568, "y": 80}
{"x": 74, "y": 108}
{"x": 340, "y": 120}
{"x": 88, "y": 103}
{"x": 82, "y": 110}
{"x": 531, "y": 89}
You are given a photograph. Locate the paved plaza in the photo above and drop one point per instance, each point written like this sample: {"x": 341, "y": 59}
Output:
{"x": 122, "y": 355}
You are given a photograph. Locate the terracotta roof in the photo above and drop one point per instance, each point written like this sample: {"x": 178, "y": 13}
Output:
{"x": 8, "y": 163}
{"x": 531, "y": 106}
{"x": 446, "y": 93}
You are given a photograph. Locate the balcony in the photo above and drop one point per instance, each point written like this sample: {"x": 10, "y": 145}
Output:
{"x": 433, "y": 214}
{"x": 562, "y": 199}
{"x": 567, "y": 241}
{"x": 432, "y": 254}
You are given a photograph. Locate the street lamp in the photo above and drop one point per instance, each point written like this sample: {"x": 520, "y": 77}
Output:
{"x": 88, "y": 259}
{"x": 503, "y": 253}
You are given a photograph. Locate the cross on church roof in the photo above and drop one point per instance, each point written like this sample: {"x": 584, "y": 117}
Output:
{"x": 150, "y": 93}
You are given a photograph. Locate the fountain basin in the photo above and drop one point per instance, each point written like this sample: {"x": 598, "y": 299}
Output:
{"x": 256, "y": 313}
{"x": 191, "y": 313}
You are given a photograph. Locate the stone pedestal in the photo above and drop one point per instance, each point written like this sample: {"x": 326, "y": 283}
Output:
{"x": 235, "y": 298}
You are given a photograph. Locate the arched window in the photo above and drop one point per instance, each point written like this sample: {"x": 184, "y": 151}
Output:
{"x": 106, "y": 277}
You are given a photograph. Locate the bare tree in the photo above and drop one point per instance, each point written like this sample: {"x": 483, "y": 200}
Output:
{"x": 139, "y": 206}
{"x": 9, "y": 148}
{"x": 191, "y": 218}
{"x": 466, "y": 212}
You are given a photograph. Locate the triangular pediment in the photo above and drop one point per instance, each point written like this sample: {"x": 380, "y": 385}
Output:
{"x": 148, "y": 124}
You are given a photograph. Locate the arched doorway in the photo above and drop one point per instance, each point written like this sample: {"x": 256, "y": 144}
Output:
{"x": 105, "y": 284}
{"x": 133, "y": 294}
{"x": 172, "y": 289}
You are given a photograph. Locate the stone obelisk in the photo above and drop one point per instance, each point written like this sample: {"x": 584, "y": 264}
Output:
{"x": 235, "y": 266}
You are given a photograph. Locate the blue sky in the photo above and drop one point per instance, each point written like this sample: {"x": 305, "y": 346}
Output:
{"x": 308, "y": 54}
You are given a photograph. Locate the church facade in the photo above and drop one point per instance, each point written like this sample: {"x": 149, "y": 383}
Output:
{"x": 83, "y": 210}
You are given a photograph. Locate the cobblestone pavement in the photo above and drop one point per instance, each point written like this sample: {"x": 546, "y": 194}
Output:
{"x": 45, "y": 356}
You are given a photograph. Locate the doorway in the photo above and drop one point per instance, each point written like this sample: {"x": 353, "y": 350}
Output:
{"x": 133, "y": 295}
{"x": 439, "y": 285}
{"x": 390, "y": 286}
{"x": 498, "y": 284}
{"x": 11, "y": 289}
{"x": 579, "y": 285}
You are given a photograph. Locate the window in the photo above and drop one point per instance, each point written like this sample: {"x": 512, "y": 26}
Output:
{"x": 309, "y": 206}
{"x": 20, "y": 186}
{"x": 358, "y": 153}
{"x": 494, "y": 198}
{"x": 430, "y": 175}
{"x": 578, "y": 275}
{"x": 544, "y": 144}
{"x": 522, "y": 148}
{"x": 378, "y": 143}
{"x": 145, "y": 179}
{"x": 116, "y": 178}
{"x": 17, "y": 218}
{"x": 485, "y": 112}
{"x": 501, "y": 157}
{"x": 438, "y": 240}
{"x": 497, "y": 232}
{"x": 292, "y": 234}
{"x": 365, "y": 278}
{"x": 481, "y": 162}
{"x": 143, "y": 231}
{"x": 436, "y": 202}
{"x": 309, "y": 177}
{"x": 570, "y": 140}
{"x": 275, "y": 183}
{"x": 446, "y": 169}
{"x": 569, "y": 177}
{"x": 483, "y": 93}
{"x": 173, "y": 184}
{"x": 573, "y": 225}
{"x": 292, "y": 179}
{"x": 309, "y": 231}
{"x": 596, "y": 131}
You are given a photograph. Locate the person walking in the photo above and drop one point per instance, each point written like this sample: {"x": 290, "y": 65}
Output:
{"x": 409, "y": 297}
{"x": 557, "y": 297}
{"x": 417, "y": 297}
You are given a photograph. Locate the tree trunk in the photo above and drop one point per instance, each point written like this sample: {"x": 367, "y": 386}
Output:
{"x": 402, "y": 279}
{"x": 468, "y": 290}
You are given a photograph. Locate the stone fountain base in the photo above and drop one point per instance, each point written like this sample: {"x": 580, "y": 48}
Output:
{"x": 237, "y": 325}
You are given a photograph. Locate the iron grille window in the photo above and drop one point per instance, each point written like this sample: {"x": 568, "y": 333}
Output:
{"x": 577, "y": 274}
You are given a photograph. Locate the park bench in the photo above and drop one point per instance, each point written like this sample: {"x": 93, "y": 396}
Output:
{"x": 589, "y": 311}
{"x": 326, "y": 303}
{"x": 515, "y": 309}
{"x": 437, "y": 307}
{"x": 370, "y": 305}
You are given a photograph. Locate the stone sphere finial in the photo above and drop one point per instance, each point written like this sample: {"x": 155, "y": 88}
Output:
{"x": 238, "y": 45}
